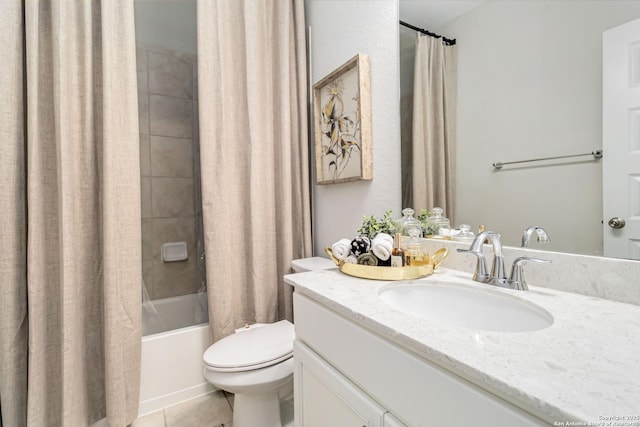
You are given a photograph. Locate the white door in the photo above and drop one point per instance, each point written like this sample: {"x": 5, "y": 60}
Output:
{"x": 621, "y": 141}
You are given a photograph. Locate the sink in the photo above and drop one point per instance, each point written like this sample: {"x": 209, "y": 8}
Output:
{"x": 455, "y": 304}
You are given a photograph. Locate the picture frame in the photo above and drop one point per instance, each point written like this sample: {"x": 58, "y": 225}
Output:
{"x": 342, "y": 123}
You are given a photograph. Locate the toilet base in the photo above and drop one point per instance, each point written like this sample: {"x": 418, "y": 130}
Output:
{"x": 251, "y": 410}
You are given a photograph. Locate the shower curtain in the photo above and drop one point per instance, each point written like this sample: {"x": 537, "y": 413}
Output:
{"x": 254, "y": 156}
{"x": 69, "y": 214}
{"x": 434, "y": 125}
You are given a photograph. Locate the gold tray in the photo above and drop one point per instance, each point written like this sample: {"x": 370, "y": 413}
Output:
{"x": 387, "y": 273}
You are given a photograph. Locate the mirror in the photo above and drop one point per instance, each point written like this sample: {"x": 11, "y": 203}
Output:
{"x": 529, "y": 86}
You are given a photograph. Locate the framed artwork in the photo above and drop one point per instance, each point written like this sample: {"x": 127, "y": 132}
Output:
{"x": 342, "y": 123}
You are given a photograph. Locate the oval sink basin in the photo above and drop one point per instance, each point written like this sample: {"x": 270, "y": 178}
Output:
{"x": 465, "y": 306}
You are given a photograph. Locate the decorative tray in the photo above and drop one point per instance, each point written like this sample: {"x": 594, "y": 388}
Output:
{"x": 387, "y": 273}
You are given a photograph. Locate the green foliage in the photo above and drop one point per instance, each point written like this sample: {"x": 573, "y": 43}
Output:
{"x": 372, "y": 226}
{"x": 428, "y": 228}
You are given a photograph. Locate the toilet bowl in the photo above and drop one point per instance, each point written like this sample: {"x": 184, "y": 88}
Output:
{"x": 256, "y": 365}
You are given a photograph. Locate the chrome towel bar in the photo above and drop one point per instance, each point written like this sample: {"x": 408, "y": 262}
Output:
{"x": 597, "y": 154}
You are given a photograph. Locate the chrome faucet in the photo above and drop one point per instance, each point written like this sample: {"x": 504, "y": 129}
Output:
{"x": 541, "y": 234}
{"x": 497, "y": 275}
{"x": 516, "y": 278}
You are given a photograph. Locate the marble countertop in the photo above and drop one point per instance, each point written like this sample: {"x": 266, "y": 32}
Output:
{"x": 584, "y": 367}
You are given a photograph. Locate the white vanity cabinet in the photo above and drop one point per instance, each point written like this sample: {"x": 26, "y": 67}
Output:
{"x": 324, "y": 397}
{"x": 346, "y": 375}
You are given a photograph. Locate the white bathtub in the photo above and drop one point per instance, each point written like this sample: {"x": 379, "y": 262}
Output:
{"x": 171, "y": 369}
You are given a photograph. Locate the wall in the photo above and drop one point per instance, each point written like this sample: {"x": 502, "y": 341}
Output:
{"x": 169, "y": 150}
{"x": 530, "y": 85}
{"x": 166, "y": 82}
{"x": 340, "y": 30}
{"x": 167, "y": 23}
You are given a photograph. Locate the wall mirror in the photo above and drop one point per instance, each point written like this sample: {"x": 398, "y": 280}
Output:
{"x": 530, "y": 85}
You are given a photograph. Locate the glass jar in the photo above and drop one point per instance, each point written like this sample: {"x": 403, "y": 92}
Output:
{"x": 463, "y": 234}
{"x": 437, "y": 225}
{"x": 416, "y": 254}
{"x": 408, "y": 225}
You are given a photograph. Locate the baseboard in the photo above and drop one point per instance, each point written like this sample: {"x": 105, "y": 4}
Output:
{"x": 161, "y": 402}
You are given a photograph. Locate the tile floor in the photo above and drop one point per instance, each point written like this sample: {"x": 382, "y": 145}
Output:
{"x": 214, "y": 409}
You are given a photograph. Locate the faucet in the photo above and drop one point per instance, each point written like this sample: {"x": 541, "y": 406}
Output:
{"x": 542, "y": 235}
{"x": 516, "y": 278}
{"x": 497, "y": 275}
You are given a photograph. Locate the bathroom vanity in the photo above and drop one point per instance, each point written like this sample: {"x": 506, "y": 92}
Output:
{"x": 359, "y": 361}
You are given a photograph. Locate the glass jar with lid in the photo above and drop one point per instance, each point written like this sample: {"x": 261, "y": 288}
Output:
{"x": 408, "y": 225}
{"x": 437, "y": 226}
{"x": 463, "y": 234}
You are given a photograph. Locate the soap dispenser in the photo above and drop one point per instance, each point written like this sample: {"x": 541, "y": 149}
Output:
{"x": 397, "y": 253}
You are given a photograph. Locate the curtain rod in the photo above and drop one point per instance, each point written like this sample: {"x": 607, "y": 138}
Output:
{"x": 446, "y": 41}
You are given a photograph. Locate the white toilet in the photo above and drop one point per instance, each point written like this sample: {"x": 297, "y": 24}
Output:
{"x": 256, "y": 364}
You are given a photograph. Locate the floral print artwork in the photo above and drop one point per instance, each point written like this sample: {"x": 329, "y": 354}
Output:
{"x": 340, "y": 122}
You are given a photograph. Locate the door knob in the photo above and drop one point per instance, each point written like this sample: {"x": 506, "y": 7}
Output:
{"x": 616, "y": 222}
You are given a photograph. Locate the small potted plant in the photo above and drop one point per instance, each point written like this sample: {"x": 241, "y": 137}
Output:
{"x": 372, "y": 226}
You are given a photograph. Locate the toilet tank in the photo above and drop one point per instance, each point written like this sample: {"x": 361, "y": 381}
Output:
{"x": 310, "y": 264}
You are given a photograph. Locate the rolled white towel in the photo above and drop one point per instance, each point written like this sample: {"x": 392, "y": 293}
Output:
{"x": 384, "y": 236}
{"x": 341, "y": 249}
{"x": 351, "y": 259}
{"x": 382, "y": 246}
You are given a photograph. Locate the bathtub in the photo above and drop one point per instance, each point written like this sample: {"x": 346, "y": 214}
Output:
{"x": 172, "y": 349}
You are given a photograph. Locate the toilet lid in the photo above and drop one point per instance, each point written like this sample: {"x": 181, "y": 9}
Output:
{"x": 252, "y": 349}
{"x": 311, "y": 264}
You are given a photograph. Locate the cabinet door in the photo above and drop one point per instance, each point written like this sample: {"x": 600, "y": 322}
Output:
{"x": 324, "y": 397}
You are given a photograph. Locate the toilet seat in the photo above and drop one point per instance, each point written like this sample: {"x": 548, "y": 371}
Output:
{"x": 252, "y": 349}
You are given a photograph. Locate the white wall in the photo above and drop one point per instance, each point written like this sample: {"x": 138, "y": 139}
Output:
{"x": 340, "y": 30}
{"x": 530, "y": 85}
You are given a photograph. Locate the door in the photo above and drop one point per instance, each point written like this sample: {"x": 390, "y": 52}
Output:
{"x": 621, "y": 141}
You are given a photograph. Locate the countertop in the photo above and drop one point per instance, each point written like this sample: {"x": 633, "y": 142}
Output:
{"x": 584, "y": 367}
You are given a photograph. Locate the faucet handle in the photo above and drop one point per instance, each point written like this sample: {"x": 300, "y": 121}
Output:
{"x": 481, "y": 274}
{"x": 516, "y": 279}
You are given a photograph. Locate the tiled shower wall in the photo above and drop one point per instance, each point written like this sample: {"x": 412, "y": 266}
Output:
{"x": 168, "y": 150}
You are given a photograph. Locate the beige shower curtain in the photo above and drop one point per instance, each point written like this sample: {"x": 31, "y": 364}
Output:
{"x": 69, "y": 214}
{"x": 434, "y": 125}
{"x": 254, "y": 157}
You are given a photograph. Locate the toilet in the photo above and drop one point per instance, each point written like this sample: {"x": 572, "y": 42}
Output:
{"x": 311, "y": 264}
{"x": 256, "y": 364}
